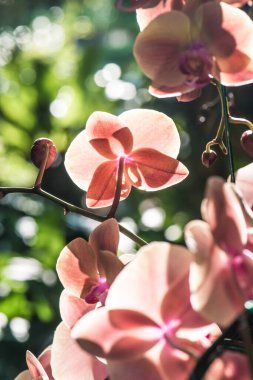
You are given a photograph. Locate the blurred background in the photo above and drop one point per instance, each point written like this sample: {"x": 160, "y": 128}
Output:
{"x": 59, "y": 62}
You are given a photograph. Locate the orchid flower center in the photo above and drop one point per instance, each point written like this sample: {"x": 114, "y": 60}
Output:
{"x": 98, "y": 292}
{"x": 170, "y": 328}
{"x": 196, "y": 63}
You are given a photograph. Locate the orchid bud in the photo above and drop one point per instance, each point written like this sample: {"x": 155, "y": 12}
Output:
{"x": 247, "y": 142}
{"x": 38, "y": 152}
{"x": 208, "y": 158}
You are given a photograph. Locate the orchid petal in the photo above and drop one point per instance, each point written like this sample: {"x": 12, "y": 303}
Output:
{"x": 105, "y": 237}
{"x": 224, "y": 214}
{"x": 45, "y": 360}
{"x": 140, "y": 368}
{"x": 116, "y": 334}
{"x": 177, "y": 311}
{"x": 229, "y": 366}
{"x": 189, "y": 96}
{"x": 145, "y": 16}
{"x": 102, "y": 188}
{"x": 24, "y": 375}
{"x": 162, "y": 362}
{"x": 157, "y": 48}
{"x": 183, "y": 90}
{"x": 81, "y": 160}
{"x": 214, "y": 291}
{"x": 164, "y": 137}
{"x": 35, "y": 367}
{"x": 156, "y": 170}
{"x": 69, "y": 361}
{"x": 148, "y": 279}
{"x": 176, "y": 363}
{"x": 126, "y": 258}
{"x": 228, "y": 33}
{"x": 77, "y": 267}
{"x": 73, "y": 308}
{"x": 108, "y": 135}
{"x": 111, "y": 265}
{"x": 244, "y": 180}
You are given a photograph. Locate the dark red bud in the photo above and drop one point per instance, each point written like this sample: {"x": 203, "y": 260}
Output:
{"x": 38, "y": 152}
{"x": 247, "y": 142}
{"x": 208, "y": 158}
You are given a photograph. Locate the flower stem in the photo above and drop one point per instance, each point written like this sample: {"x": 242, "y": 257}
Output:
{"x": 42, "y": 168}
{"x": 117, "y": 194}
{"x": 241, "y": 121}
{"x": 68, "y": 207}
{"x": 218, "y": 140}
{"x": 224, "y": 105}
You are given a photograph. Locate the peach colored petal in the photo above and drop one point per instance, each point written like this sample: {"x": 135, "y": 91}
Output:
{"x": 77, "y": 267}
{"x": 224, "y": 214}
{"x": 25, "y": 375}
{"x": 230, "y": 366}
{"x": 140, "y": 368}
{"x": 69, "y": 361}
{"x": 81, "y": 160}
{"x": 108, "y": 135}
{"x": 111, "y": 265}
{"x": 228, "y": 33}
{"x": 148, "y": 279}
{"x": 159, "y": 363}
{"x": 35, "y": 367}
{"x": 189, "y": 96}
{"x": 102, "y": 188}
{"x": 45, "y": 360}
{"x": 184, "y": 92}
{"x": 156, "y": 170}
{"x": 145, "y": 16}
{"x": 176, "y": 307}
{"x": 175, "y": 363}
{"x": 157, "y": 48}
{"x": 116, "y": 334}
{"x": 105, "y": 237}
{"x": 127, "y": 258}
{"x": 214, "y": 292}
{"x": 73, "y": 308}
{"x": 244, "y": 180}
{"x": 152, "y": 129}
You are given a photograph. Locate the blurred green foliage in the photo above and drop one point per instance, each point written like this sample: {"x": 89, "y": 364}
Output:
{"x": 53, "y": 55}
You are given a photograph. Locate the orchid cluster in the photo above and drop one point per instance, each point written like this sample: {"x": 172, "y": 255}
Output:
{"x": 154, "y": 315}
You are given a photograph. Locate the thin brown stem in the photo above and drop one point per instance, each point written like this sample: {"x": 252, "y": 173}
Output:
{"x": 225, "y": 108}
{"x": 42, "y": 167}
{"x": 241, "y": 121}
{"x": 68, "y": 207}
{"x": 117, "y": 194}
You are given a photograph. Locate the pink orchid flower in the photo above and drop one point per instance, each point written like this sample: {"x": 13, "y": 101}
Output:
{"x": 180, "y": 51}
{"x": 39, "y": 369}
{"x": 147, "y": 329}
{"x": 69, "y": 361}
{"x": 222, "y": 269}
{"x": 145, "y": 142}
{"x": 87, "y": 269}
